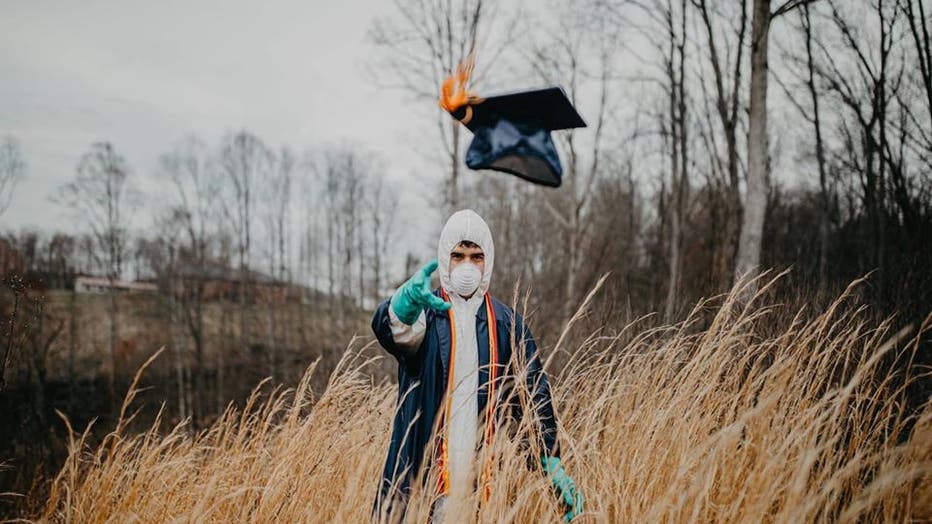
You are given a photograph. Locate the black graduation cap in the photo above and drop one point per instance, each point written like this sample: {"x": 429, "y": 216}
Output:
{"x": 512, "y": 132}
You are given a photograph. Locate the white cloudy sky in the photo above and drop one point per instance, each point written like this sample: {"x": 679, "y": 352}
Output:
{"x": 143, "y": 74}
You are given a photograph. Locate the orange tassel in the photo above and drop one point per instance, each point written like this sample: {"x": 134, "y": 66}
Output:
{"x": 453, "y": 92}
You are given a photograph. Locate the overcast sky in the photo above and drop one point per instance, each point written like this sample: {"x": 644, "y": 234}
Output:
{"x": 143, "y": 74}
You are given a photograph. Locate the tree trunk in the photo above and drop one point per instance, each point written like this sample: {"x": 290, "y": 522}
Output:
{"x": 331, "y": 267}
{"x": 569, "y": 290}
{"x": 38, "y": 389}
{"x": 752, "y": 228}
{"x": 733, "y": 215}
{"x": 197, "y": 401}
{"x": 37, "y": 364}
{"x": 72, "y": 347}
{"x": 819, "y": 150}
{"x": 376, "y": 254}
{"x": 243, "y": 338}
{"x": 114, "y": 365}
{"x": 178, "y": 354}
{"x": 572, "y": 234}
{"x": 227, "y": 339}
{"x": 272, "y": 349}
{"x": 678, "y": 155}
{"x": 454, "y": 169}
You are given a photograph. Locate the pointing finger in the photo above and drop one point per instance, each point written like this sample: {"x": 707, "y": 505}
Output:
{"x": 429, "y": 268}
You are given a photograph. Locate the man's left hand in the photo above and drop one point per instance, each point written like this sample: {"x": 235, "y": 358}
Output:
{"x": 570, "y": 497}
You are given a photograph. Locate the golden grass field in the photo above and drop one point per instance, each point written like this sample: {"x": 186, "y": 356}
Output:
{"x": 721, "y": 418}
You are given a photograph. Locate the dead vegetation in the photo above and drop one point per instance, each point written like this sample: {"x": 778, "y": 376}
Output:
{"x": 723, "y": 421}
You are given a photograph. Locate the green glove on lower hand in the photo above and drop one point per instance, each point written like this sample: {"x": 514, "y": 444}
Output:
{"x": 416, "y": 294}
{"x": 571, "y": 498}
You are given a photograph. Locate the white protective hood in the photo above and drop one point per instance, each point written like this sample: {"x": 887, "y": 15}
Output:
{"x": 465, "y": 225}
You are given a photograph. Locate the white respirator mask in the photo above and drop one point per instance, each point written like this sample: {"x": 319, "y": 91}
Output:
{"x": 465, "y": 279}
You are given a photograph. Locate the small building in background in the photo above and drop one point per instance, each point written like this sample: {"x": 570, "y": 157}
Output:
{"x": 222, "y": 282}
{"x": 85, "y": 284}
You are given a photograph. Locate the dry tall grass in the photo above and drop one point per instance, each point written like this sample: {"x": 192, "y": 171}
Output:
{"x": 724, "y": 421}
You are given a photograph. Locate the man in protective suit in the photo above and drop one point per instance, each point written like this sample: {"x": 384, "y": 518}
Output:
{"x": 454, "y": 348}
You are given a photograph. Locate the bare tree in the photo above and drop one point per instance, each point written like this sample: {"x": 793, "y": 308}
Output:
{"x": 563, "y": 62}
{"x": 920, "y": 27}
{"x": 423, "y": 43}
{"x": 676, "y": 136}
{"x": 758, "y": 181}
{"x": 726, "y": 58}
{"x": 861, "y": 72}
{"x": 309, "y": 244}
{"x": 193, "y": 213}
{"x": 382, "y": 202}
{"x": 357, "y": 207}
{"x": 351, "y": 168}
{"x": 915, "y": 110}
{"x": 819, "y": 146}
{"x": 277, "y": 214}
{"x": 340, "y": 185}
{"x": 245, "y": 162}
{"x": 12, "y": 170}
{"x": 103, "y": 199}
{"x": 11, "y": 336}
{"x": 805, "y": 70}
{"x": 330, "y": 197}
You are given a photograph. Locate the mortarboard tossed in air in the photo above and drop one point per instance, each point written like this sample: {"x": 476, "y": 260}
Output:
{"x": 511, "y": 132}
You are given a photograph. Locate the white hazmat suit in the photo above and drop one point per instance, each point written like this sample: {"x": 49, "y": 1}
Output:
{"x": 462, "y": 430}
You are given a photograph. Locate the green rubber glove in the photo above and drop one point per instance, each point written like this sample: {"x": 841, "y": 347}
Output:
{"x": 416, "y": 294}
{"x": 570, "y": 497}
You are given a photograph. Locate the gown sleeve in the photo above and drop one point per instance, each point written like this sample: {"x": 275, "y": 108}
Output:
{"x": 401, "y": 340}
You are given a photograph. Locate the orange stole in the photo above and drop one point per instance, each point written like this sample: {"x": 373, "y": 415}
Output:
{"x": 443, "y": 479}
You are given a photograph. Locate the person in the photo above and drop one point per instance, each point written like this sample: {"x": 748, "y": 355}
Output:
{"x": 453, "y": 346}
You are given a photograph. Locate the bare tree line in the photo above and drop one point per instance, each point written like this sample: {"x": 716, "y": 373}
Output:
{"x": 248, "y": 269}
